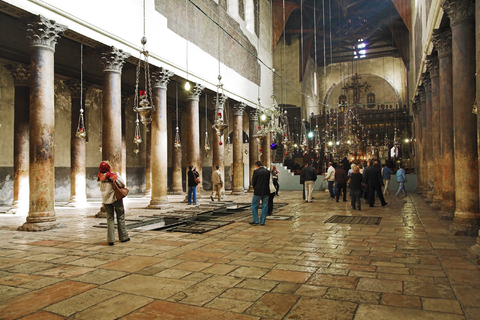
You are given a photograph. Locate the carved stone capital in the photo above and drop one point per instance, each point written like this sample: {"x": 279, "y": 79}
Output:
{"x": 427, "y": 82}
{"x": 252, "y": 113}
{"x": 421, "y": 93}
{"x": 112, "y": 58}
{"x": 238, "y": 109}
{"x": 459, "y": 10}
{"x": 20, "y": 73}
{"x": 161, "y": 77}
{"x": 196, "y": 91}
{"x": 43, "y": 32}
{"x": 442, "y": 40}
{"x": 417, "y": 105}
{"x": 75, "y": 88}
{"x": 432, "y": 65}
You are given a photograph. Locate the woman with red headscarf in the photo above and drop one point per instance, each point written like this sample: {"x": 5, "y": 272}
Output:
{"x": 105, "y": 180}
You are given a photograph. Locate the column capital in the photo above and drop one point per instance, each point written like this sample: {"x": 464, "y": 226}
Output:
{"x": 252, "y": 113}
{"x": 442, "y": 40}
{"x": 161, "y": 77}
{"x": 74, "y": 87}
{"x": 459, "y": 10}
{"x": 432, "y": 65}
{"x": 417, "y": 105}
{"x": 112, "y": 58}
{"x": 421, "y": 93}
{"x": 427, "y": 82}
{"x": 195, "y": 93}
{"x": 238, "y": 108}
{"x": 43, "y": 32}
{"x": 20, "y": 73}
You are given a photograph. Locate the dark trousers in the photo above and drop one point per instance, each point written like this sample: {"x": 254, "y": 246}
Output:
{"x": 277, "y": 186}
{"x": 342, "y": 186}
{"x": 270, "y": 203}
{"x": 371, "y": 195}
{"x": 330, "y": 188}
{"x": 356, "y": 197}
{"x": 303, "y": 184}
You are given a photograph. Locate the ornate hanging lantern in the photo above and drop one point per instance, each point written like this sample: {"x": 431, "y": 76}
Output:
{"x": 220, "y": 98}
{"x": 137, "y": 139}
{"x": 228, "y": 144}
{"x": 177, "y": 144}
{"x": 81, "y": 130}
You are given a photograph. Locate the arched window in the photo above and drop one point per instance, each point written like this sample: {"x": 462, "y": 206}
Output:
{"x": 370, "y": 99}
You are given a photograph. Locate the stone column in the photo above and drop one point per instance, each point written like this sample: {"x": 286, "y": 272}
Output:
{"x": 176, "y": 187}
{"x": 201, "y": 119}
{"x": 159, "y": 160}
{"x": 237, "y": 138}
{"x": 124, "y": 141}
{"x": 461, "y": 14}
{"x": 432, "y": 66}
{"x": 417, "y": 108}
{"x": 443, "y": 43}
{"x": 266, "y": 151}
{"x": 78, "y": 155}
{"x": 252, "y": 144}
{"x": 192, "y": 143}
{"x": 148, "y": 161}
{"x": 423, "y": 122}
{"x": 428, "y": 145}
{"x": 43, "y": 35}
{"x": 218, "y": 143}
{"x": 113, "y": 60}
{"x": 21, "y": 80}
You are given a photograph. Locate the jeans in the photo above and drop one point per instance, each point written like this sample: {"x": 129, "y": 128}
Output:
{"x": 192, "y": 191}
{"x": 122, "y": 230}
{"x": 402, "y": 188}
{"x": 330, "y": 188}
{"x": 356, "y": 197}
{"x": 255, "y": 205}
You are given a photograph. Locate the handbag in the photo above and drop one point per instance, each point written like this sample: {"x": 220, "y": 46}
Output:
{"x": 197, "y": 180}
{"x": 120, "y": 193}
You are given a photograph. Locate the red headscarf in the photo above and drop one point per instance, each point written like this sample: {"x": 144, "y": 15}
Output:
{"x": 104, "y": 171}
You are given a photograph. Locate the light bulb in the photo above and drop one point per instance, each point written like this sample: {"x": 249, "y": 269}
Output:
{"x": 263, "y": 117}
{"x": 187, "y": 86}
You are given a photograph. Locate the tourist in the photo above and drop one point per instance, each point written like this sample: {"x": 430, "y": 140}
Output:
{"x": 356, "y": 189}
{"x": 302, "y": 179}
{"x": 261, "y": 191}
{"x": 192, "y": 182}
{"x": 330, "y": 177}
{"x": 341, "y": 180}
{"x": 373, "y": 180}
{"x": 217, "y": 183}
{"x": 273, "y": 192}
{"x": 309, "y": 178}
{"x": 386, "y": 173}
{"x": 105, "y": 180}
{"x": 401, "y": 179}
{"x": 275, "y": 174}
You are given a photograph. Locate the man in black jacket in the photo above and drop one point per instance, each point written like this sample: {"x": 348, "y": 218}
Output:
{"x": 309, "y": 176}
{"x": 374, "y": 181}
{"x": 261, "y": 191}
{"x": 341, "y": 180}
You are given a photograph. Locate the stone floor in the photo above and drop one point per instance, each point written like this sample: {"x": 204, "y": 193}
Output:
{"x": 407, "y": 267}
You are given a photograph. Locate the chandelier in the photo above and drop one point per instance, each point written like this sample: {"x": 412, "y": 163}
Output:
{"x": 220, "y": 98}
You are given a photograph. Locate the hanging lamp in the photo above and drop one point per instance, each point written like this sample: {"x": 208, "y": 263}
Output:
{"x": 207, "y": 145}
{"x": 81, "y": 130}
{"x": 177, "y": 142}
{"x": 144, "y": 107}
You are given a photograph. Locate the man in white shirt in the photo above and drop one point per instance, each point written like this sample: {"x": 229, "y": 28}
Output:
{"x": 330, "y": 177}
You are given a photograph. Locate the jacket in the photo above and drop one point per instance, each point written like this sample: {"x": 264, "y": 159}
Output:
{"x": 309, "y": 174}
{"x": 386, "y": 173}
{"x": 373, "y": 176}
{"x": 191, "y": 175}
{"x": 340, "y": 176}
{"x": 217, "y": 178}
{"x": 330, "y": 176}
{"x": 106, "y": 188}
{"x": 356, "y": 181}
{"x": 261, "y": 182}
{"x": 400, "y": 176}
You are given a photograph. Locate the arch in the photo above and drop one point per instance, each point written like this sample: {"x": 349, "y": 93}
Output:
{"x": 335, "y": 84}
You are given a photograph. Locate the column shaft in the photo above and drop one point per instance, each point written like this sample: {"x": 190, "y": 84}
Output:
{"x": 428, "y": 145}
{"x": 266, "y": 152}
{"x": 237, "y": 138}
{"x": 252, "y": 146}
{"x": 148, "y": 161}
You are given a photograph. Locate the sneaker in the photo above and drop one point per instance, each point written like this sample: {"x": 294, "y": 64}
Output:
{"x": 111, "y": 243}
{"x": 128, "y": 239}
{"x": 253, "y": 223}
{"x": 211, "y": 197}
{"x": 262, "y": 224}
{"x": 383, "y": 205}
{"x": 189, "y": 204}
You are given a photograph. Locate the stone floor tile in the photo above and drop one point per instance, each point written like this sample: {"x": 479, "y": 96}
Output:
{"x": 31, "y": 267}
{"x": 335, "y": 271}
{"x": 131, "y": 263}
{"x": 442, "y": 305}
{"x": 311, "y": 291}
{"x": 172, "y": 274}
{"x": 242, "y": 294}
{"x": 369, "y": 312}
{"x": 287, "y": 276}
{"x": 153, "y": 287}
{"x": 291, "y": 267}
{"x": 33, "y": 301}
{"x": 41, "y": 283}
{"x": 462, "y": 276}
{"x": 469, "y": 295}
{"x": 176, "y": 311}
{"x": 427, "y": 273}
{"x": 16, "y": 279}
{"x": 380, "y": 285}
{"x": 401, "y": 301}
{"x": 430, "y": 290}
{"x": 65, "y": 271}
{"x": 472, "y": 313}
{"x": 362, "y": 274}
{"x": 220, "y": 269}
{"x": 114, "y": 308}
{"x": 249, "y": 272}
{"x": 405, "y": 277}
{"x": 43, "y": 315}
{"x": 197, "y": 276}
{"x": 272, "y": 305}
{"x": 229, "y": 304}
{"x": 257, "y": 284}
{"x": 8, "y": 292}
{"x": 100, "y": 276}
{"x": 81, "y": 302}
{"x": 393, "y": 270}
{"x": 328, "y": 280}
{"x": 286, "y": 287}
{"x": 192, "y": 266}
{"x": 314, "y": 308}
{"x": 356, "y": 296}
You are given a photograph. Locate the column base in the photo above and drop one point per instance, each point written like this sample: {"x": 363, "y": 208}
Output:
{"x": 436, "y": 205}
{"x": 465, "y": 224}
{"x": 250, "y": 189}
{"x": 75, "y": 202}
{"x": 38, "y": 226}
{"x": 148, "y": 194}
{"x": 446, "y": 214}
{"x": 159, "y": 204}
{"x": 176, "y": 191}
{"x": 237, "y": 192}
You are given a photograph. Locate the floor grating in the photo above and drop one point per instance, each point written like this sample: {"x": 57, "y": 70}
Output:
{"x": 354, "y": 220}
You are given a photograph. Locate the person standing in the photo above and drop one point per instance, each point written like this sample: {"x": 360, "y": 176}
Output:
{"x": 192, "y": 182}
{"x": 105, "y": 180}
{"x": 356, "y": 189}
{"x": 261, "y": 191}
{"x": 275, "y": 175}
{"x": 273, "y": 191}
{"x": 330, "y": 177}
{"x": 341, "y": 180}
{"x": 374, "y": 181}
{"x": 302, "y": 179}
{"x": 217, "y": 183}
{"x": 364, "y": 173}
{"x": 401, "y": 179}
{"x": 386, "y": 173}
{"x": 309, "y": 177}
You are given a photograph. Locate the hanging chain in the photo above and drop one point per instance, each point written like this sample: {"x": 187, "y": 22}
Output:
{"x": 176, "y": 101}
